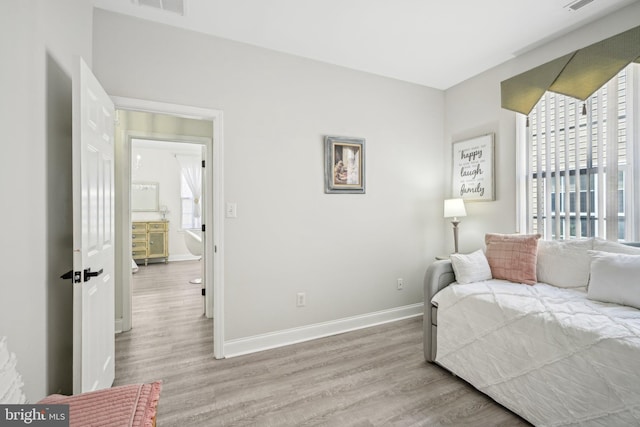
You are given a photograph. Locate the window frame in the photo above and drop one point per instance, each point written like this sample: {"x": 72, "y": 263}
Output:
{"x": 630, "y": 172}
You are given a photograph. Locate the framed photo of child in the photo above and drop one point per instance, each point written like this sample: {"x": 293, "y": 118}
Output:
{"x": 344, "y": 169}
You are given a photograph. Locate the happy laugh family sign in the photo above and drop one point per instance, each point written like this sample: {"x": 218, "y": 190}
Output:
{"x": 473, "y": 169}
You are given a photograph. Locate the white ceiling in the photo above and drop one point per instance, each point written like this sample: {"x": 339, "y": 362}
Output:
{"x": 436, "y": 43}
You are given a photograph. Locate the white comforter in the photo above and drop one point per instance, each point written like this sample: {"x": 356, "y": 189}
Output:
{"x": 549, "y": 354}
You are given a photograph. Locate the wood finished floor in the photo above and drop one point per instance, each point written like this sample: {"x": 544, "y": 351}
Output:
{"x": 371, "y": 377}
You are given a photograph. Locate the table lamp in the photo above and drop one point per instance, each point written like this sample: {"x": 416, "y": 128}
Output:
{"x": 454, "y": 208}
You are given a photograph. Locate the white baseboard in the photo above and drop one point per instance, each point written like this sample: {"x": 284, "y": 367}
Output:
{"x": 183, "y": 257}
{"x": 241, "y": 346}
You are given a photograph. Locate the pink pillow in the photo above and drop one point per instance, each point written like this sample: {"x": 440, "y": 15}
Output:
{"x": 513, "y": 256}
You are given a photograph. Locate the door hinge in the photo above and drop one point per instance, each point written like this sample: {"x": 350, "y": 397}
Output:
{"x": 204, "y": 291}
{"x": 204, "y": 228}
{"x": 75, "y": 275}
{"x": 203, "y": 163}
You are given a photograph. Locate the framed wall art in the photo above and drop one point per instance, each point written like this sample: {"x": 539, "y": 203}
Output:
{"x": 473, "y": 169}
{"x": 344, "y": 168}
{"x": 144, "y": 196}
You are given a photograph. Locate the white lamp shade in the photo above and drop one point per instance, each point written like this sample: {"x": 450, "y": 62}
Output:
{"x": 454, "y": 208}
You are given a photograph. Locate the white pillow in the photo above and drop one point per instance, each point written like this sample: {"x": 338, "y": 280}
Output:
{"x": 614, "y": 247}
{"x": 614, "y": 278}
{"x": 564, "y": 263}
{"x": 470, "y": 268}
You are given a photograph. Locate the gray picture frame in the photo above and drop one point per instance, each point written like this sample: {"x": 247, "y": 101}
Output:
{"x": 344, "y": 165}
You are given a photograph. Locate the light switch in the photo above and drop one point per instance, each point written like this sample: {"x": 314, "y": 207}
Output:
{"x": 232, "y": 210}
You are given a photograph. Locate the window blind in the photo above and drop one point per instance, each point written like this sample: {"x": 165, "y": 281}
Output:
{"x": 579, "y": 167}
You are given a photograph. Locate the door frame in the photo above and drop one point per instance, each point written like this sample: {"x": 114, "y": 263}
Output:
{"x": 214, "y": 213}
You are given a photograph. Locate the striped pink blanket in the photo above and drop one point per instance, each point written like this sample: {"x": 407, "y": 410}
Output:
{"x": 123, "y": 406}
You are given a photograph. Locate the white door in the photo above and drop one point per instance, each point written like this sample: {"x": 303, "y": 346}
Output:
{"x": 93, "y": 234}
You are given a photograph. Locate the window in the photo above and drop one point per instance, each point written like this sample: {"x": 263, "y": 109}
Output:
{"x": 190, "y": 190}
{"x": 576, "y": 163}
{"x": 189, "y": 218}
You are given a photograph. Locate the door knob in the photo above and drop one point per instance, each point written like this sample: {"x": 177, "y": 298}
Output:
{"x": 75, "y": 275}
{"x": 88, "y": 274}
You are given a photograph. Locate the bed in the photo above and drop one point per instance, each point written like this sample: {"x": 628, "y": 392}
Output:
{"x": 133, "y": 405}
{"x": 530, "y": 347}
{"x": 550, "y": 350}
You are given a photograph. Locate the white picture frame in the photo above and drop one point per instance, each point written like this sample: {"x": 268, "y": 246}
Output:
{"x": 473, "y": 169}
{"x": 144, "y": 197}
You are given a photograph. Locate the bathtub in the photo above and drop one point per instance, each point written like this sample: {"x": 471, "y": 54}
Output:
{"x": 193, "y": 240}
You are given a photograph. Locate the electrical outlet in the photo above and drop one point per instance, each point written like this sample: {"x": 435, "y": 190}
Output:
{"x": 301, "y": 299}
{"x": 400, "y": 284}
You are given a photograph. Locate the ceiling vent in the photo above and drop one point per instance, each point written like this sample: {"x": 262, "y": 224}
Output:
{"x": 579, "y": 4}
{"x": 171, "y": 6}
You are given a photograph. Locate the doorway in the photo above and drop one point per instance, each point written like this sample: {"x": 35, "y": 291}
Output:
{"x": 150, "y": 116}
{"x": 167, "y": 203}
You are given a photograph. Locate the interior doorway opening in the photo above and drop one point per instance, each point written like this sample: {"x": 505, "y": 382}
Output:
{"x": 167, "y": 208}
{"x": 163, "y": 123}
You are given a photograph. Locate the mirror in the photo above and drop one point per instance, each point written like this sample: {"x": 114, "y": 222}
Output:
{"x": 144, "y": 196}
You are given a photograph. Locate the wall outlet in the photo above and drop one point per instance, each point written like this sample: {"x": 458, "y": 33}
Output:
{"x": 301, "y": 299}
{"x": 400, "y": 284}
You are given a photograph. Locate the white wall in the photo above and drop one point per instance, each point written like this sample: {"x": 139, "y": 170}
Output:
{"x": 344, "y": 251}
{"x": 38, "y": 41}
{"x": 473, "y": 108}
{"x": 159, "y": 165}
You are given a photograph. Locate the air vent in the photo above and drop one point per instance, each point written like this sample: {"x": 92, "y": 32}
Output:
{"x": 578, "y": 4}
{"x": 172, "y": 6}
